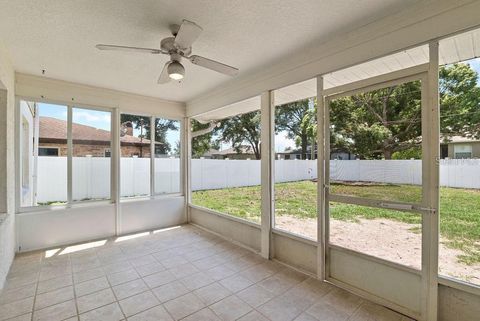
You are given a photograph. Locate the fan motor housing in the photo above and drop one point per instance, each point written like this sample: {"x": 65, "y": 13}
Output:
{"x": 168, "y": 45}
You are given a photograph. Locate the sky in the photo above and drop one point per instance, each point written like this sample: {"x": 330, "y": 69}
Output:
{"x": 101, "y": 119}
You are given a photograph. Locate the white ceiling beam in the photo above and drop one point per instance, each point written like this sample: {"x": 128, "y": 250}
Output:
{"x": 42, "y": 88}
{"x": 418, "y": 25}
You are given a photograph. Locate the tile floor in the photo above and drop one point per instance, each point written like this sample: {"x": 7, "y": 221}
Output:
{"x": 176, "y": 274}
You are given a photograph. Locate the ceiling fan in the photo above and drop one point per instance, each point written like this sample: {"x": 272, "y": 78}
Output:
{"x": 177, "y": 47}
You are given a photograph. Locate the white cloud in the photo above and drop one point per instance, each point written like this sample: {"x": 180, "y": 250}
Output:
{"x": 282, "y": 142}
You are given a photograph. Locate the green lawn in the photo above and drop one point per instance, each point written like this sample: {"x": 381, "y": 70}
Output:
{"x": 459, "y": 208}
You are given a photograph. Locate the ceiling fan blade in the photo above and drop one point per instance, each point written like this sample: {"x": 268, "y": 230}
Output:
{"x": 164, "y": 77}
{"x": 213, "y": 65}
{"x": 187, "y": 34}
{"x": 130, "y": 49}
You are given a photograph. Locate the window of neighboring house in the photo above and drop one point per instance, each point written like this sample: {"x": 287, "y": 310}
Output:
{"x": 444, "y": 151}
{"x": 167, "y": 156}
{"x": 462, "y": 151}
{"x": 91, "y": 133}
{"x": 135, "y": 155}
{"x": 44, "y": 178}
{"x": 47, "y": 151}
{"x": 107, "y": 152}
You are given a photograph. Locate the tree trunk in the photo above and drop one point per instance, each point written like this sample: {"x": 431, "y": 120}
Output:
{"x": 387, "y": 153}
{"x": 304, "y": 146}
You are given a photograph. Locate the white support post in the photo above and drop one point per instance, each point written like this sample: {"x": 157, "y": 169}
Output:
{"x": 320, "y": 180}
{"x": 152, "y": 156}
{"x": 186, "y": 157}
{"x": 69, "y": 155}
{"x": 431, "y": 198}
{"x": 267, "y": 171}
{"x": 115, "y": 169}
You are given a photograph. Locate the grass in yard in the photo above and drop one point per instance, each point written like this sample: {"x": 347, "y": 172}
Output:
{"x": 459, "y": 218}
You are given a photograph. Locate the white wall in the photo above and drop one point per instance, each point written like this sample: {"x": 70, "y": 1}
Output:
{"x": 68, "y": 92}
{"x": 7, "y": 164}
{"x": 63, "y": 226}
{"x": 45, "y": 229}
{"x": 151, "y": 214}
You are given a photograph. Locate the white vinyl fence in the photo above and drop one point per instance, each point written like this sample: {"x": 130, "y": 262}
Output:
{"x": 91, "y": 176}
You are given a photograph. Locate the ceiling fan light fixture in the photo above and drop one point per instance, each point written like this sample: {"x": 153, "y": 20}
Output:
{"x": 175, "y": 70}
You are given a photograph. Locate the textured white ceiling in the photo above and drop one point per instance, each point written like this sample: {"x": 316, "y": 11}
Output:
{"x": 59, "y": 36}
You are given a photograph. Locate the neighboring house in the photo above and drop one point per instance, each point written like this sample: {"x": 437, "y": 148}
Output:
{"x": 245, "y": 152}
{"x": 457, "y": 147}
{"x": 87, "y": 140}
{"x": 296, "y": 154}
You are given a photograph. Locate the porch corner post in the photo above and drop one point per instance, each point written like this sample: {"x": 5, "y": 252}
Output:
{"x": 115, "y": 169}
{"x": 321, "y": 244}
{"x": 267, "y": 150}
{"x": 187, "y": 165}
{"x": 431, "y": 188}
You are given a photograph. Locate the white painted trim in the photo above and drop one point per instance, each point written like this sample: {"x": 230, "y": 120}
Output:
{"x": 223, "y": 237}
{"x": 459, "y": 285}
{"x": 223, "y": 215}
{"x": 409, "y": 28}
{"x": 152, "y": 155}
{"x": 399, "y": 76}
{"x": 67, "y": 92}
{"x": 373, "y": 298}
{"x": 267, "y": 129}
{"x": 293, "y": 236}
{"x": 431, "y": 183}
{"x": 187, "y": 164}
{"x": 320, "y": 179}
{"x": 115, "y": 169}
{"x": 375, "y": 259}
{"x": 69, "y": 156}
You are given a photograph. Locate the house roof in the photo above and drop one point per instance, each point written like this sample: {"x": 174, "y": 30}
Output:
{"x": 457, "y": 139}
{"x": 243, "y": 150}
{"x": 54, "y": 128}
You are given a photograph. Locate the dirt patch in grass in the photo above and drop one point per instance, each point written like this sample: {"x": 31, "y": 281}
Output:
{"x": 387, "y": 239}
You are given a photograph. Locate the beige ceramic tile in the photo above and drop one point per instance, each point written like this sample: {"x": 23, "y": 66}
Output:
{"x": 91, "y": 286}
{"x": 95, "y": 300}
{"x": 53, "y": 297}
{"x": 125, "y": 290}
{"x": 170, "y": 291}
{"x": 230, "y": 308}
{"x": 110, "y": 312}
{"x": 203, "y": 315}
{"x": 212, "y": 293}
{"x": 56, "y": 312}
{"x": 16, "y": 308}
{"x": 184, "y": 306}
{"x": 157, "y": 313}
{"x": 138, "y": 303}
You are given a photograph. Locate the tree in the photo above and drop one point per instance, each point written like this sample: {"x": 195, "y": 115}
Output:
{"x": 290, "y": 117}
{"x": 386, "y": 122}
{"x": 240, "y": 130}
{"x": 459, "y": 101}
{"x": 203, "y": 143}
{"x": 162, "y": 126}
{"x": 378, "y": 123}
